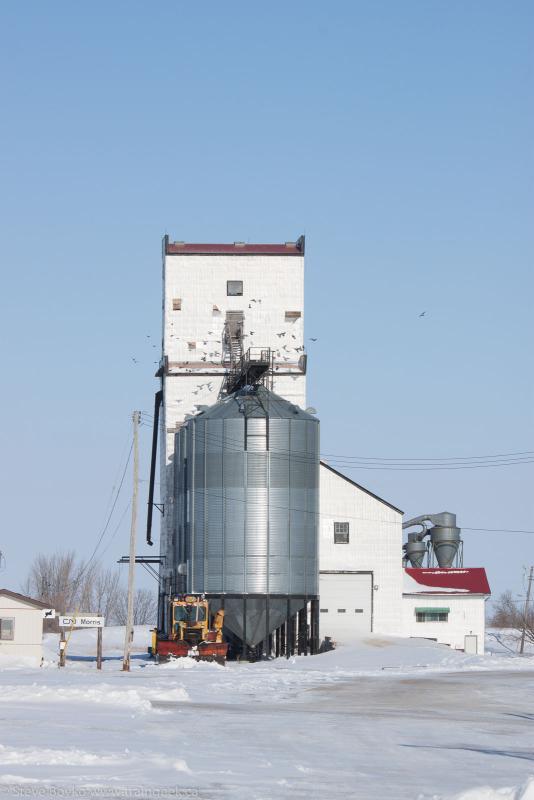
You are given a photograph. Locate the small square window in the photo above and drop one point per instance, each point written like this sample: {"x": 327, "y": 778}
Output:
{"x": 323, "y": 610}
{"x": 292, "y": 315}
{"x": 234, "y": 288}
{"x": 358, "y": 610}
{"x": 342, "y": 611}
{"x": 177, "y": 304}
{"x": 341, "y": 532}
{"x": 7, "y": 628}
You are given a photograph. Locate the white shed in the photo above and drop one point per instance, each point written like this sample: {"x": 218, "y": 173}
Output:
{"x": 21, "y": 625}
{"x": 360, "y": 565}
{"x": 447, "y": 605}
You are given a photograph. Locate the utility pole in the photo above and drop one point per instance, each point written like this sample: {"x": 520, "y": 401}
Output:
{"x": 136, "y": 417}
{"x": 525, "y": 610}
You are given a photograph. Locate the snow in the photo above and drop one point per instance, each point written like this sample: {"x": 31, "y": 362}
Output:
{"x": 411, "y": 586}
{"x": 386, "y": 718}
{"x": 524, "y": 792}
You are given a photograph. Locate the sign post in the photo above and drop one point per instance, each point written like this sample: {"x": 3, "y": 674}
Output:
{"x": 62, "y": 646}
{"x": 80, "y": 621}
{"x": 99, "y": 648}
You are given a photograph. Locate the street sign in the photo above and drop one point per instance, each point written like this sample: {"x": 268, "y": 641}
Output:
{"x": 80, "y": 621}
{"x": 49, "y": 613}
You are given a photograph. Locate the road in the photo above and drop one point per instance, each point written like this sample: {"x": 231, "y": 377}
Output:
{"x": 378, "y": 737}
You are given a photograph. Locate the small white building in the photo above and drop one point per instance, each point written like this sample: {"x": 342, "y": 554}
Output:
{"x": 21, "y": 625}
{"x": 446, "y": 605}
{"x": 360, "y": 560}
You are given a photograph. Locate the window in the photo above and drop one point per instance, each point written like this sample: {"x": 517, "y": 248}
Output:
{"x": 342, "y": 611}
{"x": 234, "y": 288}
{"x": 177, "y": 304}
{"x": 341, "y": 532}
{"x": 432, "y": 614}
{"x": 189, "y": 615}
{"x": 7, "y": 628}
{"x": 292, "y": 315}
{"x": 358, "y": 610}
{"x": 323, "y": 610}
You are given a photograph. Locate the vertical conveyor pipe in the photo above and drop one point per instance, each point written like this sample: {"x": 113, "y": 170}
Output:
{"x": 158, "y": 399}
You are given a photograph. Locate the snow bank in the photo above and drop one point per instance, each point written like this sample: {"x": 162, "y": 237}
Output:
{"x": 185, "y": 663}
{"x": 524, "y": 792}
{"x": 47, "y": 756}
{"x": 18, "y": 662}
{"x": 103, "y": 694}
{"x": 82, "y": 642}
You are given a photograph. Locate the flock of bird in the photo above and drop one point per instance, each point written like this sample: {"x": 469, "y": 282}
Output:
{"x": 217, "y": 353}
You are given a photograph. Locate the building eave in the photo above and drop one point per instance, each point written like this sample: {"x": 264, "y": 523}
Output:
{"x": 362, "y": 488}
{"x": 22, "y": 598}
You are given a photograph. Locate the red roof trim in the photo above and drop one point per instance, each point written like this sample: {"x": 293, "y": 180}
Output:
{"x": 236, "y": 249}
{"x": 470, "y": 580}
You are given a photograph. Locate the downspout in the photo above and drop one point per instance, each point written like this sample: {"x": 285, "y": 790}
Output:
{"x": 158, "y": 399}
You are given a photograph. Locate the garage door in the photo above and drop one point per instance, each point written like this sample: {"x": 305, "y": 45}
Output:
{"x": 345, "y": 605}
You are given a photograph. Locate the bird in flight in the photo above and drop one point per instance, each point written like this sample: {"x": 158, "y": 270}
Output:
{"x": 422, "y": 314}
{"x": 312, "y": 339}
{"x": 134, "y": 360}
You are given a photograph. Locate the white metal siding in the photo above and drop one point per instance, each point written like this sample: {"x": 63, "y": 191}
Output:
{"x": 28, "y": 628}
{"x": 466, "y": 617}
{"x": 272, "y": 285}
{"x": 351, "y": 592}
{"x": 375, "y": 544}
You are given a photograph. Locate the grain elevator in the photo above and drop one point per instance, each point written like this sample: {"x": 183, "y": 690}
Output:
{"x": 239, "y": 455}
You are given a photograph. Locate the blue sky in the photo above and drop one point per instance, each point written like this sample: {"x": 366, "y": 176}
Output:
{"x": 396, "y": 136}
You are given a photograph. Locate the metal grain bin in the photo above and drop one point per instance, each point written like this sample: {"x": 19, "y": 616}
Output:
{"x": 246, "y": 508}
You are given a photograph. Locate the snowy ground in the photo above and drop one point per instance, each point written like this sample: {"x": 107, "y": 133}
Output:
{"x": 387, "y": 718}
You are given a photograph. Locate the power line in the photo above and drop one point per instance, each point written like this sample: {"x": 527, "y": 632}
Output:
{"x": 308, "y": 458}
{"x": 429, "y": 468}
{"x": 495, "y": 530}
{"x": 117, "y": 473}
{"x": 252, "y": 502}
{"x": 408, "y": 464}
{"x": 119, "y": 523}
{"x": 423, "y": 462}
{"x": 424, "y": 458}
{"x": 87, "y": 563}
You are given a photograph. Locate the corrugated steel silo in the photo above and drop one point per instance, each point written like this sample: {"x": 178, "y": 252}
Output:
{"x": 246, "y": 510}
